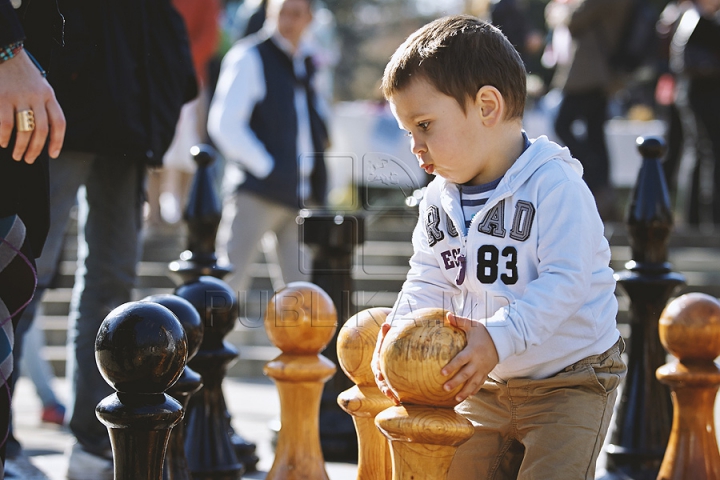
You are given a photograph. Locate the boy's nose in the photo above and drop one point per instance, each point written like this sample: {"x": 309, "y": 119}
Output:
{"x": 417, "y": 147}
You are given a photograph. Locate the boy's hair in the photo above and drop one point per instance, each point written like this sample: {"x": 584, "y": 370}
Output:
{"x": 458, "y": 55}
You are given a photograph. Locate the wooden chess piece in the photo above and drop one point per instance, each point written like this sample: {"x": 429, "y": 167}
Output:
{"x": 690, "y": 331}
{"x": 141, "y": 350}
{"x": 300, "y": 320}
{"x": 424, "y": 431}
{"x": 355, "y": 346}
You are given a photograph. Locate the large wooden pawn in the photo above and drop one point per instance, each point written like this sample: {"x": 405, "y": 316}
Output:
{"x": 141, "y": 350}
{"x": 355, "y": 346}
{"x": 300, "y": 320}
{"x": 690, "y": 330}
{"x": 424, "y": 431}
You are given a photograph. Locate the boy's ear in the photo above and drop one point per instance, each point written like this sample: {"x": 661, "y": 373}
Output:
{"x": 490, "y": 105}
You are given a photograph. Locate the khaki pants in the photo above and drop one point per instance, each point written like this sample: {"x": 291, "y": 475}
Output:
{"x": 551, "y": 428}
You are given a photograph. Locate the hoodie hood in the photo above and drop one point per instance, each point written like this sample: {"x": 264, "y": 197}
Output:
{"x": 540, "y": 152}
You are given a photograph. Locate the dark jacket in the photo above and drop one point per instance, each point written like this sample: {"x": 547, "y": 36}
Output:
{"x": 123, "y": 76}
{"x": 24, "y": 189}
{"x": 596, "y": 28}
{"x": 695, "y": 50}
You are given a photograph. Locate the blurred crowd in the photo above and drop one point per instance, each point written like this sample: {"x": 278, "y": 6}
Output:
{"x": 265, "y": 89}
{"x": 637, "y": 60}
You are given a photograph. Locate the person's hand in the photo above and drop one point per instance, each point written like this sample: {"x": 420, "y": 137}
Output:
{"x": 474, "y": 362}
{"x": 708, "y": 8}
{"x": 22, "y": 87}
{"x": 375, "y": 365}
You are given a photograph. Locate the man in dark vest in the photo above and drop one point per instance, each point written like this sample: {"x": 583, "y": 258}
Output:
{"x": 265, "y": 121}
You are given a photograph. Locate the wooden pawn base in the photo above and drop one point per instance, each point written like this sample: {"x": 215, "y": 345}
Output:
{"x": 423, "y": 439}
{"x": 689, "y": 329}
{"x": 364, "y": 403}
{"x": 692, "y": 450}
{"x": 299, "y": 379}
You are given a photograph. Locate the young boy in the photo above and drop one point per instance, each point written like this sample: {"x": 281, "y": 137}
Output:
{"x": 510, "y": 240}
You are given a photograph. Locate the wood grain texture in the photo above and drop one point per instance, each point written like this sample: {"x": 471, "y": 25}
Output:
{"x": 689, "y": 328}
{"x": 414, "y": 351}
{"x": 355, "y": 345}
{"x": 423, "y": 439}
{"x": 300, "y": 320}
{"x": 425, "y": 431}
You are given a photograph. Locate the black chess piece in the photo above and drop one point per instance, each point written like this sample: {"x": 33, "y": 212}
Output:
{"x": 141, "y": 350}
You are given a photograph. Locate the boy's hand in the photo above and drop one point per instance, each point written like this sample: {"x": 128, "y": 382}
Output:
{"x": 375, "y": 365}
{"x": 474, "y": 362}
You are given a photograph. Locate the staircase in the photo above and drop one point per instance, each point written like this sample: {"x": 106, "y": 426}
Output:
{"x": 380, "y": 265}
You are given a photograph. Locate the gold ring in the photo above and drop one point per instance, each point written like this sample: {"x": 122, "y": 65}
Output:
{"x": 25, "y": 120}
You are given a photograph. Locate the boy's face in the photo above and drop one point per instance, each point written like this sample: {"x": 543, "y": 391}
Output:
{"x": 446, "y": 141}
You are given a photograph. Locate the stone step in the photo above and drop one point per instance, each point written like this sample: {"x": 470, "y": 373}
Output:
{"x": 249, "y": 363}
{"x": 380, "y": 266}
{"x": 377, "y": 283}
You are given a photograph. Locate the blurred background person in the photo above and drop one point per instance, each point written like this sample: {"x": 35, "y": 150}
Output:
{"x": 665, "y": 92}
{"x": 267, "y": 121}
{"x": 695, "y": 60}
{"x": 586, "y": 81}
{"x": 169, "y": 186}
{"x": 40, "y": 372}
{"x": 511, "y": 17}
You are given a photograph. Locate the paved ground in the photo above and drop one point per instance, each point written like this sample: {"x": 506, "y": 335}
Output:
{"x": 253, "y": 404}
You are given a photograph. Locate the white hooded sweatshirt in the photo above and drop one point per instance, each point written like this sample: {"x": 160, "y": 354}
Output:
{"x": 537, "y": 268}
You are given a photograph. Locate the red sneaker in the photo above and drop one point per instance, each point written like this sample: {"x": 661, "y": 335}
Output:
{"x": 53, "y": 414}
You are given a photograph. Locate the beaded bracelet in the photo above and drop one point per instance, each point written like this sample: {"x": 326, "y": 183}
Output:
{"x": 9, "y": 51}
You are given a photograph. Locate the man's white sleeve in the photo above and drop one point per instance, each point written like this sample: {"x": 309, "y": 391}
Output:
{"x": 240, "y": 87}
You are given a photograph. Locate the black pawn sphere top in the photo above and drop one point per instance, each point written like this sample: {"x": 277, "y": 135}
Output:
{"x": 141, "y": 347}
{"x": 651, "y": 147}
{"x": 203, "y": 154}
{"x": 141, "y": 350}
{"x": 186, "y": 314}
{"x": 217, "y": 305}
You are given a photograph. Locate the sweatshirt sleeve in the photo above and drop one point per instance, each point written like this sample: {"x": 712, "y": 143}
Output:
{"x": 573, "y": 268}
{"x": 240, "y": 87}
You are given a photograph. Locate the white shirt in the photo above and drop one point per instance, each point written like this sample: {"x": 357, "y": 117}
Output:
{"x": 240, "y": 87}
